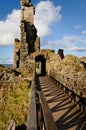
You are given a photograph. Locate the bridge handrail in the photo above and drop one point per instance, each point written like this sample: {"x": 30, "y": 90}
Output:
{"x": 49, "y": 123}
{"x": 32, "y": 114}
{"x": 74, "y": 84}
{"x": 38, "y": 106}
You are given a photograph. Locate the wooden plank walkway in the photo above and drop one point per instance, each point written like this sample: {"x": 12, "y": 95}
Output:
{"x": 67, "y": 116}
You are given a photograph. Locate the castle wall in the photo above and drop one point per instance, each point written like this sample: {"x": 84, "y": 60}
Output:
{"x": 27, "y": 12}
{"x": 37, "y": 44}
{"x": 29, "y": 41}
{"x": 16, "y": 53}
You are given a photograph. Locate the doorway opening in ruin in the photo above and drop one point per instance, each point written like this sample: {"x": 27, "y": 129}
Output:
{"x": 40, "y": 64}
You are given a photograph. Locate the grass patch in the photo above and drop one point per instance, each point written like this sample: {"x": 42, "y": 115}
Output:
{"x": 14, "y": 104}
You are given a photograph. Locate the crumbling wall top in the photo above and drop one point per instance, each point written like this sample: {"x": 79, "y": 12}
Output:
{"x": 26, "y": 2}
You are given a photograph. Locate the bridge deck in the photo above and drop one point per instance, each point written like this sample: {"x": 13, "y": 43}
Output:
{"x": 67, "y": 116}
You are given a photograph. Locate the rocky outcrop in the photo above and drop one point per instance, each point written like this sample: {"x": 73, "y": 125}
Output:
{"x": 69, "y": 71}
{"x": 69, "y": 65}
{"x": 8, "y": 74}
{"x": 83, "y": 60}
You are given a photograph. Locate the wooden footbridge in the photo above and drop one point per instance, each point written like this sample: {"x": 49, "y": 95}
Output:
{"x": 56, "y": 102}
{"x": 54, "y": 105}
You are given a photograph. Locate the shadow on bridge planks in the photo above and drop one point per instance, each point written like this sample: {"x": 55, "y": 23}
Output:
{"x": 67, "y": 120}
{"x": 47, "y": 119}
{"x": 66, "y": 114}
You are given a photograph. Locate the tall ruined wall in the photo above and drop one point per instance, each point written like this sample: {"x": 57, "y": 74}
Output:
{"x": 16, "y": 53}
{"x": 37, "y": 44}
{"x": 27, "y": 11}
{"x": 28, "y": 31}
{"x": 29, "y": 41}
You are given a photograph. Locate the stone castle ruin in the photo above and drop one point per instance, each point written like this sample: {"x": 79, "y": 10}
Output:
{"x": 29, "y": 41}
{"x": 27, "y": 53}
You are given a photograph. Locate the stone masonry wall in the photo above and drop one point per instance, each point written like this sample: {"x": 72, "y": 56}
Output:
{"x": 16, "y": 53}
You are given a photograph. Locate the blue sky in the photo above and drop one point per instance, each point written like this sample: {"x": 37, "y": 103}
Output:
{"x": 60, "y": 24}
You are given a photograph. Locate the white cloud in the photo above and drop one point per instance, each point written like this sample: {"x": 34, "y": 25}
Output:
{"x": 6, "y": 60}
{"x": 9, "y": 28}
{"x": 76, "y": 48}
{"x": 74, "y": 43}
{"x": 70, "y": 39}
{"x": 69, "y": 42}
{"x": 78, "y": 26}
{"x": 84, "y": 32}
{"x": 46, "y": 14}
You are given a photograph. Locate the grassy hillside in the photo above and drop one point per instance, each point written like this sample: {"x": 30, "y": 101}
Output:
{"x": 13, "y": 98}
{"x": 14, "y": 105}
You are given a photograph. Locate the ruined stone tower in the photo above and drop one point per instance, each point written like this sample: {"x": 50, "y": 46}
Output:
{"x": 27, "y": 53}
{"x": 29, "y": 41}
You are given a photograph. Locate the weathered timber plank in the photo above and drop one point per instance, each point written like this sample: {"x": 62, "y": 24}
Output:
{"x": 48, "y": 119}
{"x": 32, "y": 114}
